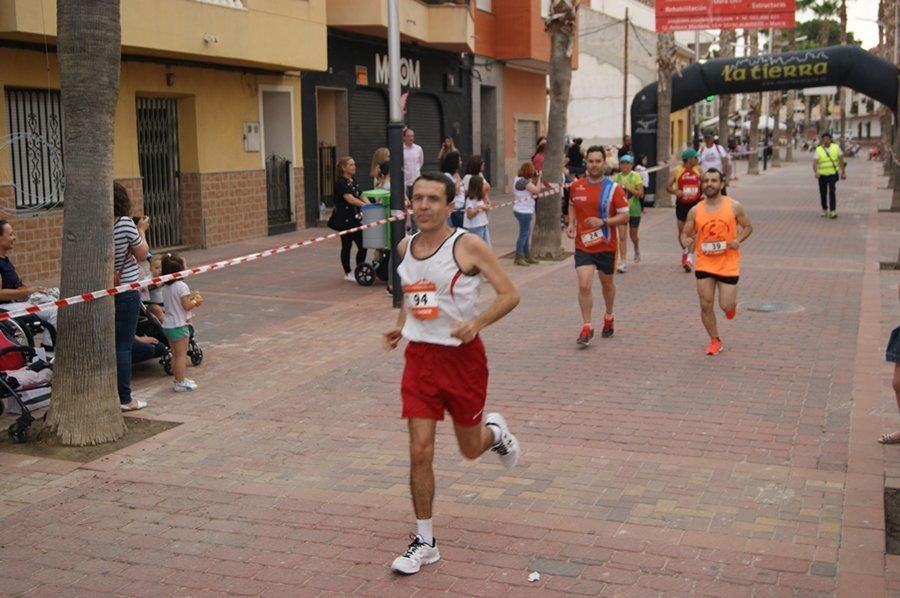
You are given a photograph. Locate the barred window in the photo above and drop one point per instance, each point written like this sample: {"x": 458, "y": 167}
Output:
{"x": 36, "y": 147}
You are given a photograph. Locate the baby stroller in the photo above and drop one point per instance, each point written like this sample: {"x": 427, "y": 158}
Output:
{"x": 24, "y": 377}
{"x": 149, "y": 325}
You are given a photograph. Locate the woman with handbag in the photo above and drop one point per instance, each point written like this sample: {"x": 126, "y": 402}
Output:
{"x": 130, "y": 247}
{"x": 346, "y": 214}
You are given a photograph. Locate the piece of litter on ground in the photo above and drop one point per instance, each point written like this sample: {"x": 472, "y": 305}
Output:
{"x": 534, "y": 576}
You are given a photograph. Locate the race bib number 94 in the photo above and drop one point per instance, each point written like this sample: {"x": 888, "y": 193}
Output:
{"x": 421, "y": 297}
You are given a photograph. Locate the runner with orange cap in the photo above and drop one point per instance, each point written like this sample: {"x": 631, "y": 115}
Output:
{"x": 716, "y": 226}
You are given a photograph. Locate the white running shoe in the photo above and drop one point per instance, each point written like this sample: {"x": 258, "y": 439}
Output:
{"x": 622, "y": 267}
{"x": 184, "y": 386}
{"x": 417, "y": 554}
{"x": 507, "y": 447}
{"x": 349, "y": 277}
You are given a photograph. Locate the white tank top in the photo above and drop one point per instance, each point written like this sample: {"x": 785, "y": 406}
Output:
{"x": 524, "y": 200}
{"x": 436, "y": 293}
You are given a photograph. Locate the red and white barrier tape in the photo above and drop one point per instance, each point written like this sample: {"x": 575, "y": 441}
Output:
{"x": 134, "y": 286}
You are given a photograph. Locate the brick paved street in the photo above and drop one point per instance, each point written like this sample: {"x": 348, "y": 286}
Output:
{"x": 648, "y": 468}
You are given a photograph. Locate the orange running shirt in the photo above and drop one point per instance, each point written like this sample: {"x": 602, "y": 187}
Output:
{"x": 585, "y": 198}
{"x": 688, "y": 181}
{"x": 715, "y": 229}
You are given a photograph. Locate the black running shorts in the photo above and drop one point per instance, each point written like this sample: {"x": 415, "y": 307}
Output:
{"x": 634, "y": 221}
{"x": 682, "y": 209}
{"x": 724, "y": 279}
{"x": 605, "y": 261}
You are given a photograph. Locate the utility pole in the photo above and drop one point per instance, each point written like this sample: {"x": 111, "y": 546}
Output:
{"x": 625, "y": 81}
{"x": 395, "y": 145}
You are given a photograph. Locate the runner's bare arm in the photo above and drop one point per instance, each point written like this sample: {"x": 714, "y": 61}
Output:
{"x": 391, "y": 338}
{"x": 474, "y": 255}
{"x": 571, "y": 229}
{"x": 638, "y": 191}
{"x": 745, "y": 229}
{"x": 688, "y": 232}
{"x": 670, "y": 186}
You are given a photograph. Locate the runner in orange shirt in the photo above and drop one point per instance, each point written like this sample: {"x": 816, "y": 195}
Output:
{"x": 597, "y": 206}
{"x": 716, "y": 226}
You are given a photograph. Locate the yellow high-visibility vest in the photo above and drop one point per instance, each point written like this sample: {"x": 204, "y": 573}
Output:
{"x": 828, "y": 162}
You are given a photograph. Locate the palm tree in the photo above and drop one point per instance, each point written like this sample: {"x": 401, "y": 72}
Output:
{"x": 754, "y": 112}
{"x": 665, "y": 61}
{"x": 825, "y": 11}
{"x": 727, "y": 40}
{"x": 791, "y": 100}
{"x": 85, "y": 405}
{"x": 560, "y": 24}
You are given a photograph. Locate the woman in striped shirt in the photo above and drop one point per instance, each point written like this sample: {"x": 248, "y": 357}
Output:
{"x": 131, "y": 246}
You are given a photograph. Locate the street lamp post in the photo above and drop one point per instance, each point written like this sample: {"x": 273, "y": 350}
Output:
{"x": 395, "y": 145}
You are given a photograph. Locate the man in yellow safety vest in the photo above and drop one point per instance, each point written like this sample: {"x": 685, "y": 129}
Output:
{"x": 828, "y": 160}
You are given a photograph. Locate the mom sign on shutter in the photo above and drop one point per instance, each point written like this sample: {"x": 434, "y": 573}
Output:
{"x": 690, "y": 15}
{"x": 410, "y": 72}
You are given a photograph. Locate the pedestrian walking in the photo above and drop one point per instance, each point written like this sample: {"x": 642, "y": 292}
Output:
{"x": 576, "y": 158}
{"x": 597, "y": 207}
{"x": 413, "y": 161}
{"x": 716, "y": 227}
{"x": 713, "y": 155}
{"x": 828, "y": 162}
{"x": 446, "y": 368}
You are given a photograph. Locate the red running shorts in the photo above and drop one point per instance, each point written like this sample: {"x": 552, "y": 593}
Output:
{"x": 438, "y": 378}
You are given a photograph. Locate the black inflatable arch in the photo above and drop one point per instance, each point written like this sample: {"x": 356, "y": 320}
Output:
{"x": 847, "y": 66}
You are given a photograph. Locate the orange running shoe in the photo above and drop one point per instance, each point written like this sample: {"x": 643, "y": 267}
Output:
{"x": 730, "y": 314}
{"x": 715, "y": 347}
{"x": 585, "y": 336}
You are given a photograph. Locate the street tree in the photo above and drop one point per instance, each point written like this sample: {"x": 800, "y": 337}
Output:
{"x": 825, "y": 11}
{"x": 85, "y": 408}
{"x": 727, "y": 41}
{"x": 560, "y": 25}
{"x": 754, "y": 112}
{"x": 791, "y": 101}
{"x": 665, "y": 64}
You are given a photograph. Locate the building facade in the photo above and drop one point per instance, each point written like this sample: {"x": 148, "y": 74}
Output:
{"x": 207, "y": 121}
{"x": 598, "y": 87}
{"x": 345, "y": 108}
{"x": 509, "y": 84}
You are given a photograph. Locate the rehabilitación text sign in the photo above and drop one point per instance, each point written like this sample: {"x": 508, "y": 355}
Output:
{"x": 690, "y": 15}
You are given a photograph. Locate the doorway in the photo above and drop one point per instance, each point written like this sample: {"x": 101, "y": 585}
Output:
{"x": 157, "y": 132}
{"x": 332, "y": 136}
{"x": 489, "y": 128}
{"x": 278, "y": 155}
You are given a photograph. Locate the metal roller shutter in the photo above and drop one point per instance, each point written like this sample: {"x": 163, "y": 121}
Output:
{"x": 423, "y": 115}
{"x": 526, "y": 139}
{"x": 368, "y": 130}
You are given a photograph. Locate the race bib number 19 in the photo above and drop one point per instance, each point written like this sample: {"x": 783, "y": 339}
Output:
{"x": 421, "y": 297}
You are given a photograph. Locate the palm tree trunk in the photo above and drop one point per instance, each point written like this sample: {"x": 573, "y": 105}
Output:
{"x": 754, "y": 113}
{"x": 791, "y": 101}
{"x": 775, "y": 105}
{"x": 843, "y": 18}
{"x": 823, "y": 99}
{"x": 547, "y": 241}
{"x": 726, "y": 41}
{"x": 665, "y": 58}
{"x": 85, "y": 406}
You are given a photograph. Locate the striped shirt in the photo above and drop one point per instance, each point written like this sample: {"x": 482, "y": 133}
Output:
{"x": 126, "y": 235}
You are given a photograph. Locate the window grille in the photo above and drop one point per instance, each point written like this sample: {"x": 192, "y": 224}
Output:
{"x": 36, "y": 147}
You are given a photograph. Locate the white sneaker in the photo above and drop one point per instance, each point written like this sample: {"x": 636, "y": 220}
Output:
{"x": 622, "y": 267}
{"x": 349, "y": 277}
{"x": 184, "y": 386}
{"x": 507, "y": 447}
{"x": 417, "y": 554}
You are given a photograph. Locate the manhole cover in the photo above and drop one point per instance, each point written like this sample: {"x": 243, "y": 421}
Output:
{"x": 772, "y": 307}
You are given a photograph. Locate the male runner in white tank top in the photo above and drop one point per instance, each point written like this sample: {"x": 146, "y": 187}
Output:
{"x": 441, "y": 269}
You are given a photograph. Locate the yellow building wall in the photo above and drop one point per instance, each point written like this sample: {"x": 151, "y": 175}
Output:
{"x": 213, "y": 106}
{"x": 679, "y": 132}
{"x": 284, "y": 33}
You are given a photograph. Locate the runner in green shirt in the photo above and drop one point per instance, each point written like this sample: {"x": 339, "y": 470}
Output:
{"x": 634, "y": 190}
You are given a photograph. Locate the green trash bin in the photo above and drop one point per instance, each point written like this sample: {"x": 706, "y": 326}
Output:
{"x": 379, "y": 208}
